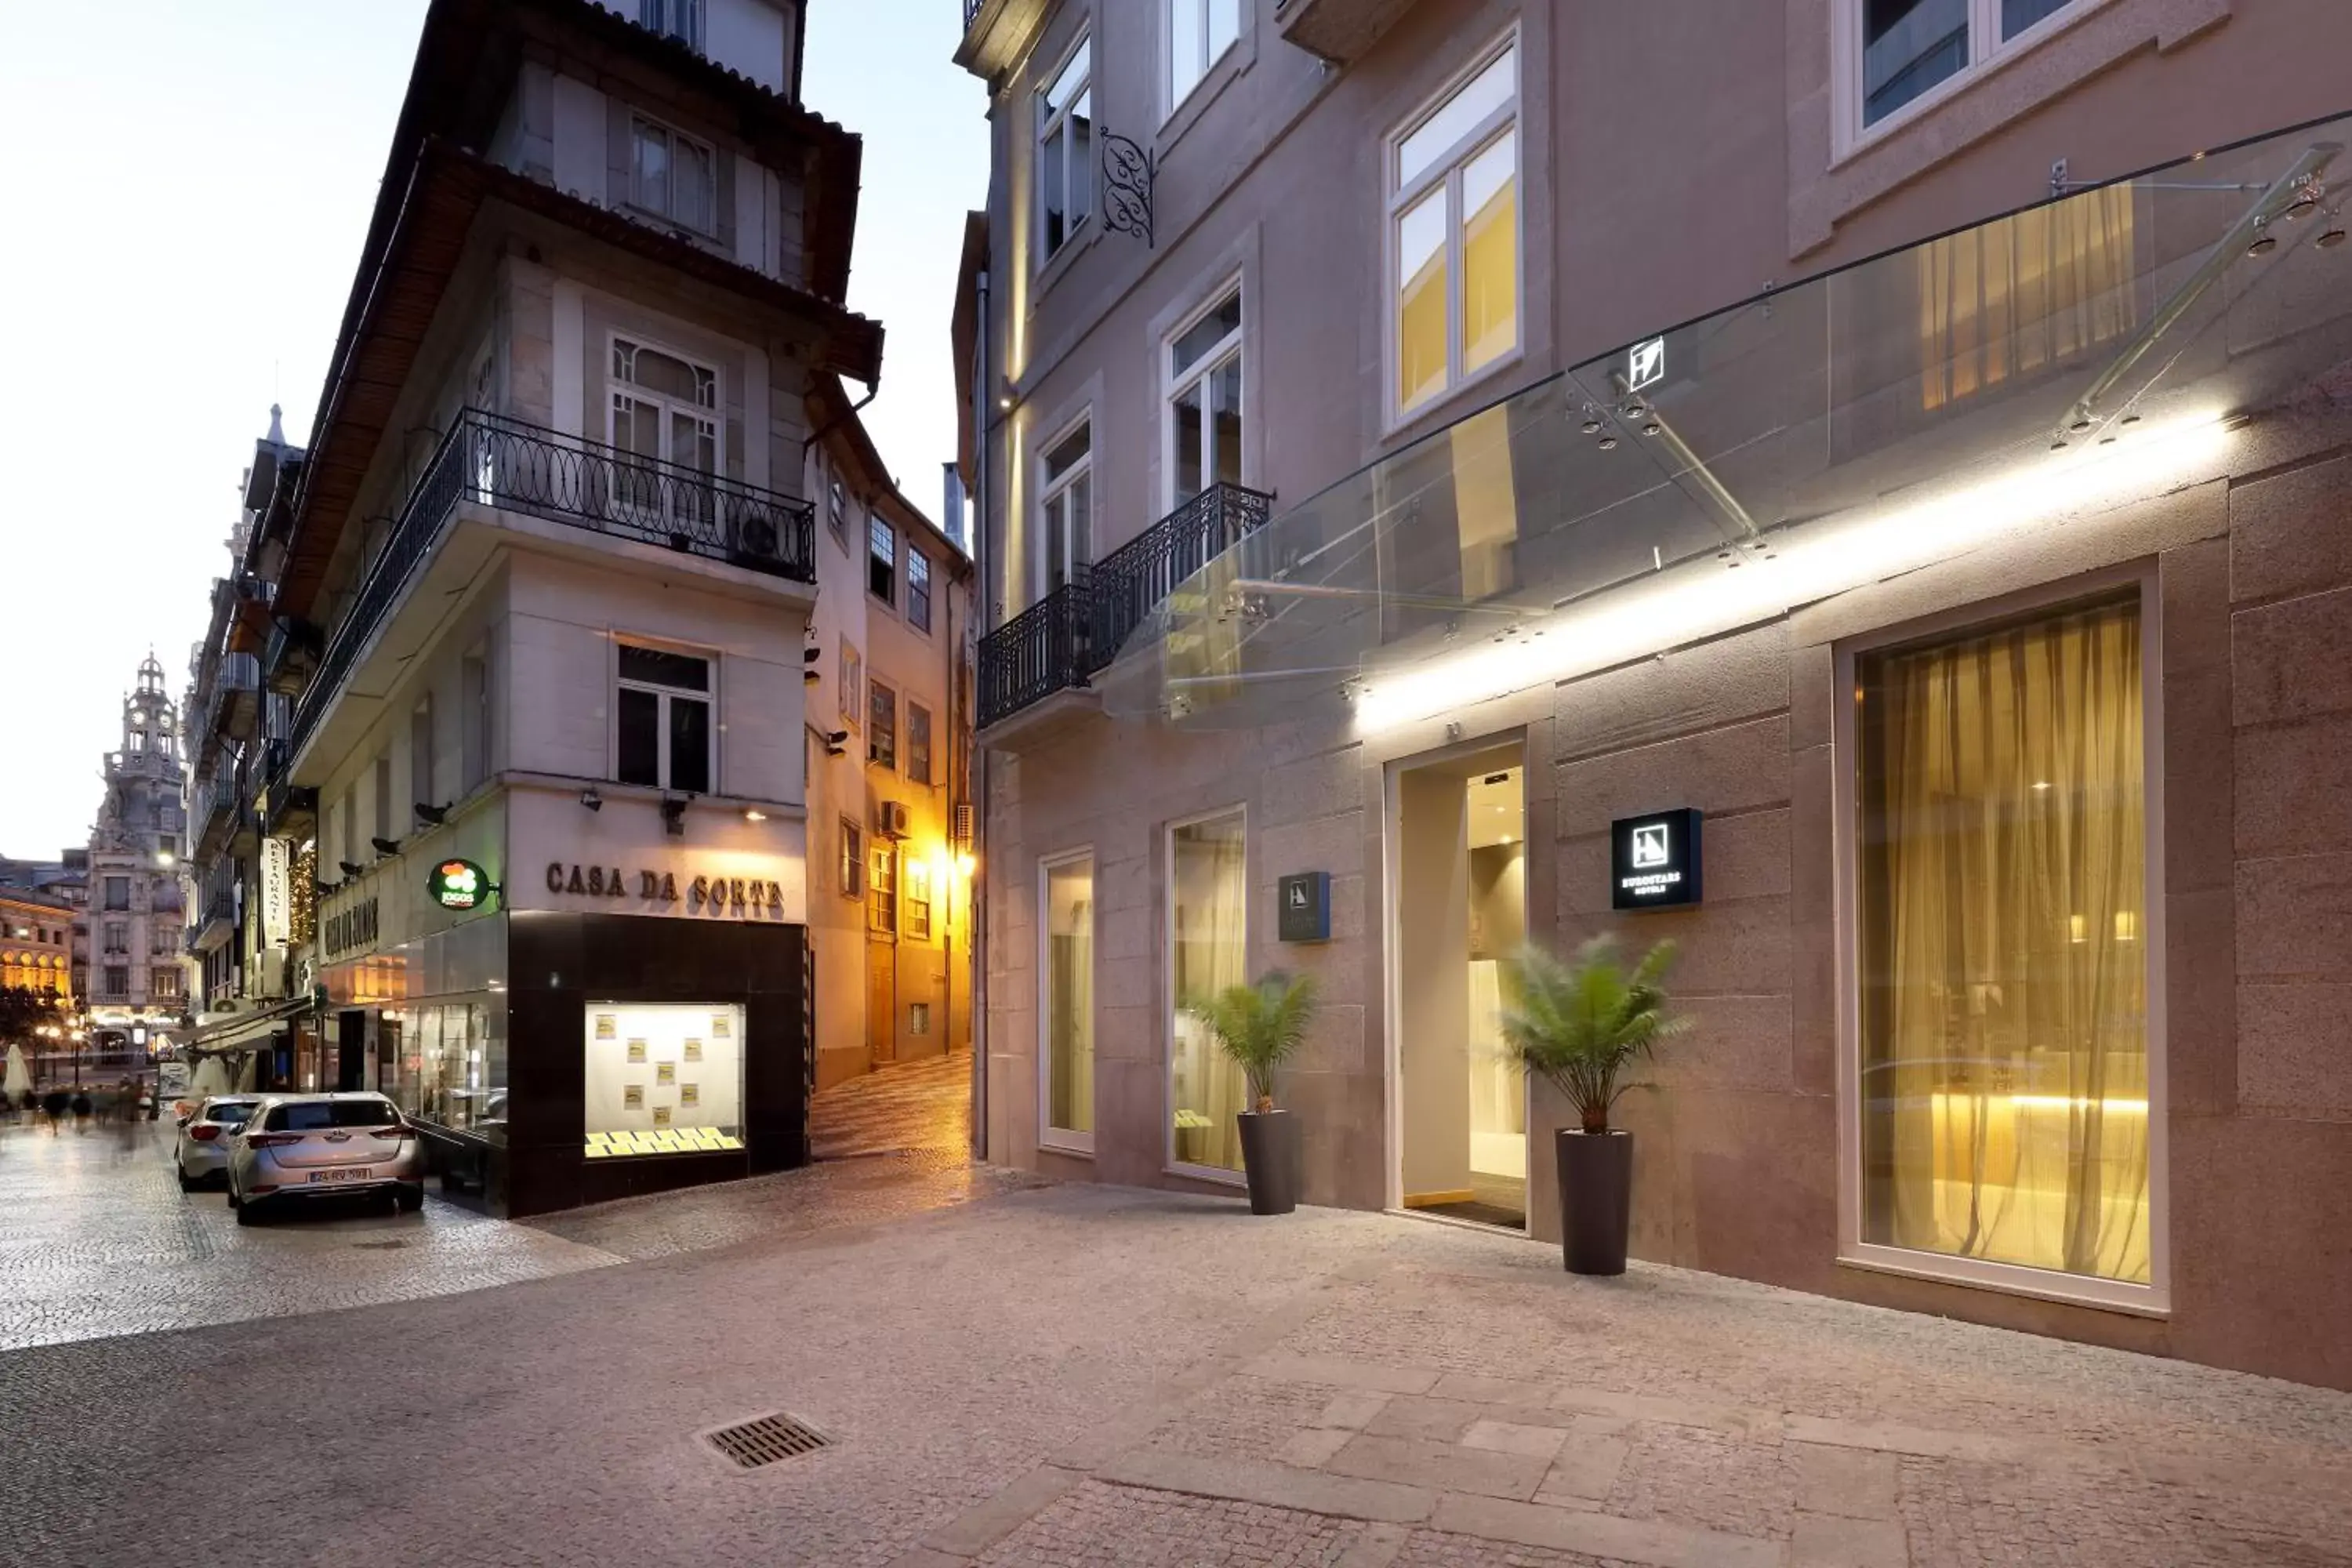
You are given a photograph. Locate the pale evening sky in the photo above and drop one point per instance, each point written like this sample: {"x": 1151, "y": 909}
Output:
{"x": 204, "y": 179}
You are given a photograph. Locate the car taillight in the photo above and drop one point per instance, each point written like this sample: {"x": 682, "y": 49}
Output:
{"x": 270, "y": 1140}
{"x": 203, "y": 1132}
{"x": 404, "y": 1131}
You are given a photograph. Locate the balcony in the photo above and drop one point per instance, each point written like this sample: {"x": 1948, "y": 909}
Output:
{"x": 1061, "y": 641}
{"x": 1338, "y": 30}
{"x": 996, "y": 33}
{"x": 235, "y": 709}
{"x": 490, "y": 460}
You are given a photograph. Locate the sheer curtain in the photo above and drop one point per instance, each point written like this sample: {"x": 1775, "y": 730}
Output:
{"x": 1070, "y": 997}
{"x": 2010, "y": 297}
{"x": 1209, "y": 903}
{"x": 2004, "y": 981}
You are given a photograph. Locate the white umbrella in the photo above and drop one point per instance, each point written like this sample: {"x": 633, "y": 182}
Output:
{"x": 19, "y": 1077}
{"x": 209, "y": 1079}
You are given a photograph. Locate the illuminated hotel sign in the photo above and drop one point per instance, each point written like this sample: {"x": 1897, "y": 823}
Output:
{"x": 1655, "y": 860}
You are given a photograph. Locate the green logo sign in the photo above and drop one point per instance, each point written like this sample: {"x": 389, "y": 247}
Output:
{"x": 458, "y": 885}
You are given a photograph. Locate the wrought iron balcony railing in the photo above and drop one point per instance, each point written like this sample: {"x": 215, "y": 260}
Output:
{"x": 970, "y": 10}
{"x": 1066, "y": 638}
{"x": 495, "y": 461}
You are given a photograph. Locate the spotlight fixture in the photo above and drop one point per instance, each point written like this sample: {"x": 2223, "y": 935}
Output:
{"x": 2264, "y": 241}
{"x": 2082, "y": 423}
{"x": 809, "y": 657}
{"x": 753, "y": 813}
{"x": 1651, "y": 428}
{"x": 1607, "y": 443}
{"x": 2332, "y": 238}
{"x": 385, "y": 846}
{"x": 1592, "y": 426}
{"x": 350, "y": 870}
{"x": 591, "y": 799}
{"x": 835, "y": 742}
{"x": 673, "y": 810}
{"x": 1634, "y": 408}
{"x": 431, "y": 816}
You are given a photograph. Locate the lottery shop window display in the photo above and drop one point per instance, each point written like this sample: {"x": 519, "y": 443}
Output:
{"x": 664, "y": 1078}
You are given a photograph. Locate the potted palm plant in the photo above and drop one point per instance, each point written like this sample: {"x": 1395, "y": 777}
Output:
{"x": 1579, "y": 1024}
{"x": 1261, "y": 1026}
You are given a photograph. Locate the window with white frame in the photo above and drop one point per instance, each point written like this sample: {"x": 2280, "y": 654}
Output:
{"x": 918, "y": 589}
{"x": 852, "y": 683}
{"x": 881, "y": 724}
{"x": 919, "y": 744}
{"x": 665, "y": 732}
{"x": 882, "y": 888}
{"x": 1199, "y": 33}
{"x": 852, "y": 859}
{"x": 664, "y": 408}
{"x": 1898, "y": 51}
{"x": 680, "y": 19}
{"x": 1453, "y": 233}
{"x": 918, "y": 923}
{"x": 882, "y": 559}
{"x": 674, "y": 175}
{"x": 836, "y": 512}
{"x": 1204, "y": 417}
{"x": 1065, "y": 153}
{"x": 1065, "y": 509}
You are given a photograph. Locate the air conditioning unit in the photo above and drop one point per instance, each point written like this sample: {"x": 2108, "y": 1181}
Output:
{"x": 891, "y": 820}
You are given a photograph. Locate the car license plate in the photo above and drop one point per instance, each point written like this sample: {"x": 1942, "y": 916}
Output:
{"x": 341, "y": 1175}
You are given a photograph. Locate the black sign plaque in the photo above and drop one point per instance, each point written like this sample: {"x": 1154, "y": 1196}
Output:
{"x": 1306, "y": 907}
{"x": 1655, "y": 860}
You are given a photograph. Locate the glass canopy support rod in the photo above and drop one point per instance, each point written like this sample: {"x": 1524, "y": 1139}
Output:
{"x": 1710, "y": 487}
{"x": 2283, "y": 194}
{"x": 1439, "y": 602}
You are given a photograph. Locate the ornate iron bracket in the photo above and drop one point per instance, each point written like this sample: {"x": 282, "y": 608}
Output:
{"x": 1129, "y": 172}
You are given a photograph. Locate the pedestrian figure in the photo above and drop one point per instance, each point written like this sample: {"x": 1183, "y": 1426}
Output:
{"x": 81, "y": 1109}
{"x": 54, "y": 1105}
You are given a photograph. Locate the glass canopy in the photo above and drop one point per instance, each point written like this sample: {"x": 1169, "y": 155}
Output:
{"x": 1899, "y": 411}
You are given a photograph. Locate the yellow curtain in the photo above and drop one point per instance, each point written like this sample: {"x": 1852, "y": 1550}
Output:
{"x": 1209, "y": 908}
{"x": 2005, "y": 1061}
{"x": 2007, "y": 298}
{"x": 1070, "y": 997}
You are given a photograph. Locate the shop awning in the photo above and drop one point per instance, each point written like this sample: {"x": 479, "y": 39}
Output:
{"x": 249, "y": 1029}
{"x": 2103, "y": 345}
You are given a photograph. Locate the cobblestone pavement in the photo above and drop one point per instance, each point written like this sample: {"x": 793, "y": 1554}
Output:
{"x": 97, "y": 1238}
{"x": 1065, "y": 1375}
{"x": 919, "y": 1105}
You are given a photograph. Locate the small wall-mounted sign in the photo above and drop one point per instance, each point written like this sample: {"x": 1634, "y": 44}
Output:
{"x": 1655, "y": 860}
{"x": 1645, "y": 364}
{"x": 1305, "y": 914}
{"x": 458, "y": 885}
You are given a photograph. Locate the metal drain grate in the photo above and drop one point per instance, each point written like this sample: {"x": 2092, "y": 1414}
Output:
{"x": 764, "y": 1439}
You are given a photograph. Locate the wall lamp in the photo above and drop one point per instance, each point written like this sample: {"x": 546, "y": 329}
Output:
{"x": 673, "y": 810}
{"x": 385, "y": 846}
{"x": 836, "y": 742}
{"x": 591, "y": 799}
{"x": 809, "y": 656}
{"x": 753, "y": 813}
{"x": 431, "y": 816}
{"x": 350, "y": 870}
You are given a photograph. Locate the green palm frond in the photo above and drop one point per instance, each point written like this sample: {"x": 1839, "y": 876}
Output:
{"x": 1261, "y": 1026}
{"x": 1579, "y": 1024}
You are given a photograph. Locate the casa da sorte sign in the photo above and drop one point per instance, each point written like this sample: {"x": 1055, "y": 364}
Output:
{"x": 714, "y": 895}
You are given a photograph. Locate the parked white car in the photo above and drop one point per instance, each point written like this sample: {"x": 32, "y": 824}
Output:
{"x": 200, "y": 1152}
{"x": 299, "y": 1146}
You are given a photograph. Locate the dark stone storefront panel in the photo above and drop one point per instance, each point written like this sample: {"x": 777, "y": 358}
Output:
{"x": 558, "y": 963}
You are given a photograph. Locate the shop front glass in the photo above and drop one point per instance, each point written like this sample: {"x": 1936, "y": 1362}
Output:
{"x": 450, "y": 1064}
{"x": 2004, "y": 1074}
{"x": 663, "y": 1078}
{"x": 1208, "y": 906}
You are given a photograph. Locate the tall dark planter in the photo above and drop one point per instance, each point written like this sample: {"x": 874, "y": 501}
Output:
{"x": 1271, "y": 1159}
{"x": 1596, "y": 1199}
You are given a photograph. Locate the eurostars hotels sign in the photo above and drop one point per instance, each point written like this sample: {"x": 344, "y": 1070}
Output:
{"x": 458, "y": 885}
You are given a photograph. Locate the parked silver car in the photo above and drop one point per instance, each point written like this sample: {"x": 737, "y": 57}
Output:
{"x": 200, "y": 1152}
{"x": 299, "y": 1146}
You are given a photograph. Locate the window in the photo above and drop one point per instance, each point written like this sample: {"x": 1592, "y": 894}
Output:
{"x": 2022, "y": 294}
{"x": 881, "y": 561}
{"x": 118, "y": 980}
{"x": 1198, "y": 33}
{"x": 853, "y": 684}
{"x": 675, "y": 175}
{"x": 420, "y": 753}
{"x": 1910, "y": 46}
{"x": 2004, "y": 1075}
{"x": 680, "y": 19}
{"x": 138, "y": 741}
{"x": 881, "y": 724}
{"x": 664, "y": 719}
{"x": 918, "y": 589}
{"x": 1068, "y": 509}
{"x": 474, "y": 715}
{"x": 836, "y": 512}
{"x": 1204, "y": 402}
{"x": 163, "y": 984}
{"x": 1208, "y": 908}
{"x": 1454, "y": 227}
{"x": 117, "y": 937}
{"x": 919, "y": 744}
{"x": 918, "y": 901}
{"x": 662, "y": 1080}
{"x": 919, "y": 1017}
{"x": 1066, "y": 1010}
{"x": 118, "y": 892}
{"x": 853, "y": 860}
{"x": 663, "y": 409}
{"x": 1066, "y": 154}
{"x": 882, "y": 903}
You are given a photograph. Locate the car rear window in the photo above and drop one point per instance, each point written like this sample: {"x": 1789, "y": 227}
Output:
{"x": 231, "y": 1112}
{"x": 323, "y": 1115}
